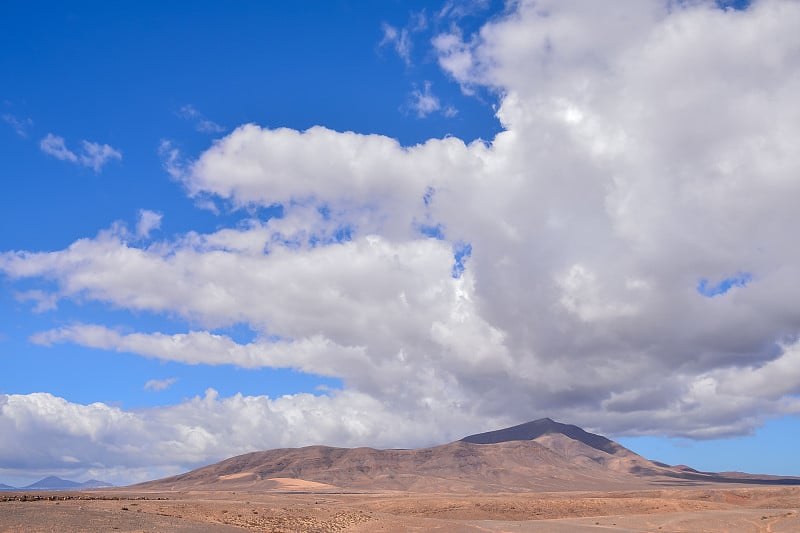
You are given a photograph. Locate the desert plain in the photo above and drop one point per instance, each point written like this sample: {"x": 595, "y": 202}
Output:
{"x": 293, "y": 507}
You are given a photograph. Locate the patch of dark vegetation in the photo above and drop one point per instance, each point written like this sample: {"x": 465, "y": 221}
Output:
{"x": 26, "y": 497}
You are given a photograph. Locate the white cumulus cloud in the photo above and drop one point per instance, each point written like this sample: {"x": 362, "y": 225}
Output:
{"x": 646, "y": 146}
{"x": 124, "y": 447}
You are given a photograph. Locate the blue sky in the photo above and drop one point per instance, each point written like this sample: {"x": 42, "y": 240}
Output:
{"x": 443, "y": 217}
{"x": 144, "y": 67}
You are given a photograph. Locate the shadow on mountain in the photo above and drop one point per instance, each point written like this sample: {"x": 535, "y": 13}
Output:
{"x": 541, "y": 427}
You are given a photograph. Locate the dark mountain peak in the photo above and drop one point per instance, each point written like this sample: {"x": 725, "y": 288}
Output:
{"x": 544, "y": 426}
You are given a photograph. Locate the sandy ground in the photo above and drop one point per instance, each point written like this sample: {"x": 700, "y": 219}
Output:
{"x": 740, "y": 508}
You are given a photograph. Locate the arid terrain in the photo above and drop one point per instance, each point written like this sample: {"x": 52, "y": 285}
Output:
{"x": 540, "y": 476}
{"x": 757, "y": 509}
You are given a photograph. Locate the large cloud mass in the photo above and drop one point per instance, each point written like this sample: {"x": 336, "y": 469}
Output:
{"x": 648, "y": 146}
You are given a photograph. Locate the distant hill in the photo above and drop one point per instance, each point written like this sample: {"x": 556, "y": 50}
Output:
{"x": 56, "y": 483}
{"x": 542, "y": 455}
{"x": 95, "y": 484}
{"x": 53, "y": 483}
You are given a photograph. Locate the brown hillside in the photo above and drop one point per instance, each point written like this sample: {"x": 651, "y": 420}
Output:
{"x": 538, "y": 456}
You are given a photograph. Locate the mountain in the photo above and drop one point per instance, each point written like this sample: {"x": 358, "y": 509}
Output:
{"x": 542, "y": 455}
{"x": 95, "y": 484}
{"x": 53, "y": 483}
{"x": 56, "y": 483}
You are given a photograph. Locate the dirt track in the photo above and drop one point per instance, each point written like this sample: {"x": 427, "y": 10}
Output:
{"x": 757, "y": 509}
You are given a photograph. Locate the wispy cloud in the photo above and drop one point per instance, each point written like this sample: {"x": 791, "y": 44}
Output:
{"x": 55, "y": 146}
{"x": 44, "y": 301}
{"x": 20, "y": 126}
{"x": 201, "y": 123}
{"x": 400, "y": 38}
{"x": 96, "y": 155}
{"x": 148, "y": 221}
{"x": 458, "y": 9}
{"x": 424, "y": 102}
{"x": 155, "y": 385}
{"x": 171, "y": 159}
{"x": 93, "y": 155}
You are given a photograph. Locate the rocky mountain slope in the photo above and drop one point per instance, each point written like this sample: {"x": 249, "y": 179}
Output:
{"x": 542, "y": 455}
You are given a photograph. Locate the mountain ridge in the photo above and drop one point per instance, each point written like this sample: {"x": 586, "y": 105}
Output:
{"x": 56, "y": 483}
{"x": 541, "y": 455}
